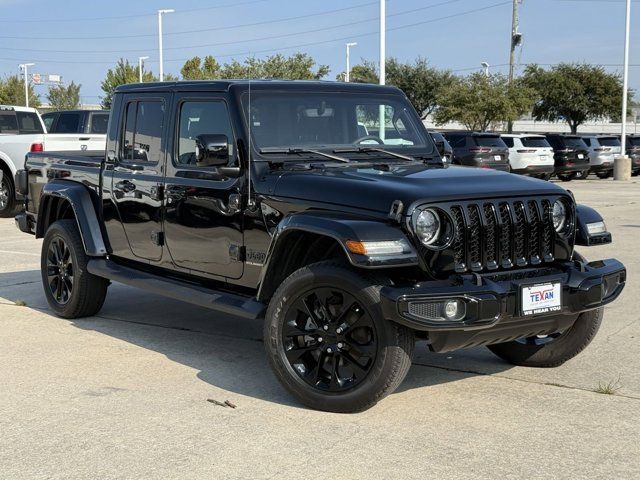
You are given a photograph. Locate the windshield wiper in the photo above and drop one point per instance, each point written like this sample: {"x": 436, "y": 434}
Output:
{"x": 295, "y": 151}
{"x": 374, "y": 149}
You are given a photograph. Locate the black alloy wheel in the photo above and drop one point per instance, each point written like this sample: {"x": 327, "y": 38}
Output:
{"x": 60, "y": 270}
{"x": 329, "y": 339}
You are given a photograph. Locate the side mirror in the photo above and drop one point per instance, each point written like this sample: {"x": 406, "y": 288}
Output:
{"x": 212, "y": 150}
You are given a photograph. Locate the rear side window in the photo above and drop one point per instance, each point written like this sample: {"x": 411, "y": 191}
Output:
{"x": 8, "y": 122}
{"x": 609, "y": 141}
{"x": 535, "y": 142}
{"x": 99, "y": 123}
{"x": 143, "y": 131}
{"x": 29, "y": 123}
{"x": 456, "y": 140}
{"x": 488, "y": 141}
{"x": 508, "y": 141}
{"x": 68, "y": 123}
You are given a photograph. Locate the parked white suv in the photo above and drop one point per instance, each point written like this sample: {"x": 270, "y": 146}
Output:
{"x": 603, "y": 150}
{"x": 530, "y": 155}
{"x": 21, "y": 131}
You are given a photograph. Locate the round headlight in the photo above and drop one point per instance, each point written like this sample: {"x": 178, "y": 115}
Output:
{"x": 559, "y": 215}
{"x": 427, "y": 226}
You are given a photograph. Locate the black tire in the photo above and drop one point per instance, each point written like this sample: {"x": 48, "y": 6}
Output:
{"x": 635, "y": 173}
{"x": 546, "y": 177}
{"x": 71, "y": 291}
{"x": 566, "y": 177}
{"x": 581, "y": 175}
{"x": 556, "y": 351}
{"x": 8, "y": 202}
{"x": 604, "y": 175}
{"x": 390, "y": 346}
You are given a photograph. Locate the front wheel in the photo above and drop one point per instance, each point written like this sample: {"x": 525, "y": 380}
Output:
{"x": 328, "y": 343}
{"x": 554, "y": 349}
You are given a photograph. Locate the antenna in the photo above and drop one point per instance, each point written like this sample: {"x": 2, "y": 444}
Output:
{"x": 250, "y": 121}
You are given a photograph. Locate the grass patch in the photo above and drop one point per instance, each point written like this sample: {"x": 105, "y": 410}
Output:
{"x": 608, "y": 388}
{"x": 20, "y": 303}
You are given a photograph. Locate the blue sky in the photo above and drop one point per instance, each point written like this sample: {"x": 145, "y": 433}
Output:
{"x": 60, "y": 37}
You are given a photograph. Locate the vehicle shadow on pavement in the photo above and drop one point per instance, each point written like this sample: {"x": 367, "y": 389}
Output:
{"x": 227, "y": 352}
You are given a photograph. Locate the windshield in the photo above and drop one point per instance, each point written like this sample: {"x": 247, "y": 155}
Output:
{"x": 634, "y": 141}
{"x": 535, "y": 142}
{"x": 489, "y": 141}
{"x": 331, "y": 120}
{"x": 574, "y": 142}
{"x": 609, "y": 141}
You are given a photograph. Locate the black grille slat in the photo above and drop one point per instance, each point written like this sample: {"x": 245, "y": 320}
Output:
{"x": 501, "y": 234}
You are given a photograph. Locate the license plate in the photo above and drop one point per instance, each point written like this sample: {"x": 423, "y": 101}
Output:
{"x": 497, "y": 157}
{"x": 580, "y": 156}
{"x": 541, "y": 299}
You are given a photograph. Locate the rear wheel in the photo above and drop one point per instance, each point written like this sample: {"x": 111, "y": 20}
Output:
{"x": 603, "y": 175}
{"x": 328, "y": 343}
{"x": 8, "y": 201}
{"x": 71, "y": 291}
{"x": 581, "y": 175}
{"x": 566, "y": 177}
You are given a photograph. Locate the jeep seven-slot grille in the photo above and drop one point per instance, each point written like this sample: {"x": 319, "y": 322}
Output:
{"x": 501, "y": 234}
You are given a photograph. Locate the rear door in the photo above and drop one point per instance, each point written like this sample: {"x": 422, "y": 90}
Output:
{"x": 136, "y": 182}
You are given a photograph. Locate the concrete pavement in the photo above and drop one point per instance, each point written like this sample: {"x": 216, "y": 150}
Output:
{"x": 124, "y": 394}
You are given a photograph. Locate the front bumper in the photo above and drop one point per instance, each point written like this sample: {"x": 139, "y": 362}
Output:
{"x": 494, "y": 299}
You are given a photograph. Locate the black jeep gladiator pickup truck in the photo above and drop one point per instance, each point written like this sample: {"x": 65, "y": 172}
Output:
{"x": 325, "y": 209}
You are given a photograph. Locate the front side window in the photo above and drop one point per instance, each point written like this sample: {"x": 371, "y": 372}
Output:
{"x": 200, "y": 118}
{"x": 142, "y": 134}
{"x": 331, "y": 120}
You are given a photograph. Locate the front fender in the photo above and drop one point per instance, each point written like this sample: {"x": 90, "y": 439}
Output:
{"x": 342, "y": 228}
{"x": 84, "y": 209}
{"x": 587, "y": 218}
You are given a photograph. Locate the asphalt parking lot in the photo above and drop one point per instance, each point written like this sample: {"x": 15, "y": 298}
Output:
{"x": 125, "y": 394}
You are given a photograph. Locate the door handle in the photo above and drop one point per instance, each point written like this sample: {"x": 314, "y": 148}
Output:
{"x": 126, "y": 186}
{"x": 84, "y": 138}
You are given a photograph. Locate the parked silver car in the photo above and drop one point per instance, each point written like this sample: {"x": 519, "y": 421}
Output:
{"x": 603, "y": 149}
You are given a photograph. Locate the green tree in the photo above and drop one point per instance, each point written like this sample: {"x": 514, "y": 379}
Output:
{"x": 124, "y": 73}
{"x": 12, "y": 92}
{"x": 477, "y": 101}
{"x": 574, "y": 93}
{"x": 63, "y": 97}
{"x": 298, "y": 66}
{"x": 420, "y": 82}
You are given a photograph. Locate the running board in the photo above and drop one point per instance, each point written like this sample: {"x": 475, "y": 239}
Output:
{"x": 214, "y": 299}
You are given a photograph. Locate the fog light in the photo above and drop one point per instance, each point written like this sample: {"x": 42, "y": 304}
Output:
{"x": 454, "y": 309}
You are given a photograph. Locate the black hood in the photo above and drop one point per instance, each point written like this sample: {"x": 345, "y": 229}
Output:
{"x": 375, "y": 188}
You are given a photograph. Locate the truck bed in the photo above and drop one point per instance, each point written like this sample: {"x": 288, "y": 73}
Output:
{"x": 83, "y": 167}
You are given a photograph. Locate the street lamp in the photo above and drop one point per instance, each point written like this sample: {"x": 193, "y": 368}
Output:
{"x": 349, "y": 45}
{"x": 140, "y": 65}
{"x": 486, "y": 66}
{"x": 24, "y": 67}
{"x": 383, "y": 66}
{"x": 160, "y": 12}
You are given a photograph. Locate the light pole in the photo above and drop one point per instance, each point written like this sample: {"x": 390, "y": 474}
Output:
{"x": 25, "y": 67}
{"x": 622, "y": 165}
{"x": 349, "y": 45}
{"x": 140, "y": 65}
{"x": 486, "y": 66}
{"x": 160, "y": 12}
{"x": 383, "y": 60}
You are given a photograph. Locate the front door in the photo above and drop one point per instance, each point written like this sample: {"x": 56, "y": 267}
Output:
{"x": 137, "y": 174}
{"x": 202, "y": 217}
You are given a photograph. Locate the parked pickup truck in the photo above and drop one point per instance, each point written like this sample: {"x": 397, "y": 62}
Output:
{"x": 264, "y": 199}
{"x": 22, "y": 131}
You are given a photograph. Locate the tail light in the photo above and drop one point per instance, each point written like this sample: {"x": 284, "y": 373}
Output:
{"x": 526, "y": 151}
{"x": 565, "y": 150}
{"x": 479, "y": 150}
{"x": 601, "y": 149}
{"x": 37, "y": 147}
